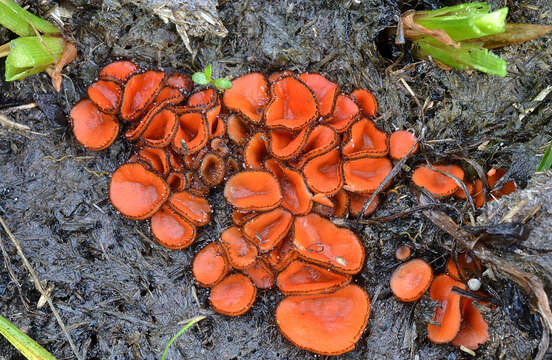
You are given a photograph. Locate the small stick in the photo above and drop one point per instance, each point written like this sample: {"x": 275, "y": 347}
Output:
{"x": 39, "y": 287}
{"x": 19, "y": 107}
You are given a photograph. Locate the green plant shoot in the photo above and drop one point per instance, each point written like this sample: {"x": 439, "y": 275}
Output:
{"x": 546, "y": 162}
{"x": 20, "y": 21}
{"x": 22, "y": 342}
{"x": 30, "y": 55}
{"x": 181, "y": 331}
{"x": 204, "y": 78}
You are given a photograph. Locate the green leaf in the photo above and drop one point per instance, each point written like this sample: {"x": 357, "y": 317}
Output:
{"x": 17, "y": 19}
{"x": 208, "y": 73}
{"x": 29, "y": 55}
{"x": 223, "y": 84}
{"x": 22, "y": 342}
{"x": 467, "y": 26}
{"x": 546, "y": 161}
{"x": 199, "y": 78}
{"x": 181, "y": 331}
{"x": 463, "y": 58}
{"x": 459, "y": 10}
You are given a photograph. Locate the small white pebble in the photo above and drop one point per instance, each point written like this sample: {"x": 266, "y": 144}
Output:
{"x": 474, "y": 284}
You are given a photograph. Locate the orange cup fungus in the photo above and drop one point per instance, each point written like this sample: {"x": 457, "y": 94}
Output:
{"x": 291, "y": 151}
{"x": 411, "y": 280}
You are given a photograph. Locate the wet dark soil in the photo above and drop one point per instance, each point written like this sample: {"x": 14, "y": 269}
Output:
{"x": 123, "y": 297}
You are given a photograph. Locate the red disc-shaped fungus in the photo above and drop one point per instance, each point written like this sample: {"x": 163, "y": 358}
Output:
{"x": 237, "y": 129}
{"x": 161, "y": 128}
{"x": 366, "y": 101}
{"x": 282, "y": 255}
{"x": 318, "y": 240}
{"x": 411, "y": 280}
{"x": 248, "y": 96}
{"x": 436, "y": 183}
{"x": 296, "y": 195}
{"x": 285, "y": 144}
{"x": 302, "y": 278}
{"x": 268, "y": 229}
{"x": 345, "y": 113}
{"x": 240, "y": 252}
{"x": 493, "y": 176}
{"x": 260, "y": 274}
{"x": 256, "y": 151}
{"x": 92, "y": 128}
{"x": 139, "y": 92}
{"x": 324, "y": 90}
{"x": 467, "y": 265}
{"x": 192, "y": 134}
{"x": 293, "y": 105}
{"x": 365, "y": 175}
{"x": 473, "y": 331}
{"x": 172, "y": 230}
{"x": 359, "y": 200}
{"x": 137, "y": 192}
{"x": 210, "y": 265}
{"x": 400, "y": 143}
{"x": 365, "y": 140}
{"x": 118, "y": 71}
{"x": 233, "y": 296}
{"x": 326, "y": 324}
{"x": 403, "y": 252}
{"x": 321, "y": 139}
{"x": 447, "y": 317}
{"x": 195, "y": 209}
{"x": 106, "y": 95}
{"x": 212, "y": 170}
{"x": 253, "y": 191}
{"x": 157, "y": 159}
{"x": 324, "y": 174}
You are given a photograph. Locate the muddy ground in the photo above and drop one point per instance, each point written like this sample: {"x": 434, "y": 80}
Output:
{"x": 123, "y": 297}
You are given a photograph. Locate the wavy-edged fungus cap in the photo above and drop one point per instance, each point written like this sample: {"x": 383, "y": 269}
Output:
{"x": 253, "y": 191}
{"x": 321, "y": 139}
{"x": 282, "y": 255}
{"x": 473, "y": 331}
{"x": 160, "y": 129}
{"x": 365, "y": 139}
{"x": 238, "y": 131}
{"x": 240, "y": 252}
{"x": 139, "y": 92}
{"x": 358, "y": 201}
{"x": 400, "y": 143}
{"x": 192, "y": 134}
{"x": 403, "y": 252}
{"x": 137, "y": 192}
{"x": 248, "y": 96}
{"x": 345, "y": 113}
{"x": 324, "y": 90}
{"x": 302, "y": 278}
{"x": 319, "y": 240}
{"x": 493, "y": 176}
{"x": 293, "y": 105}
{"x": 172, "y": 230}
{"x": 256, "y": 151}
{"x": 212, "y": 169}
{"x": 411, "y": 280}
{"x": 366, "y": 101}
{"x": 92, "y": 128}
{"x": 260, "y": 274}
{"x": 468, "y": 265}
{"x": 157, "y": 159}
{"x": 106, "y": 95}
{"x": 365, "y": 175}
{"x": 324, "y": 174}
{"x": 285, "y": 144}
{"x": 268, "y": 229}
{"x": 195, "y": 209}
{"x": 325, "y": 324}
{"x": 233, "y": 296}
{"x": 447, "y": 316}
{"x": 296, "y": 195}
{"x": 118, "y": 71}
{"x": 436, "y": 183}
{"x": 208, "y": 101}
{"x": 210, "y": 265}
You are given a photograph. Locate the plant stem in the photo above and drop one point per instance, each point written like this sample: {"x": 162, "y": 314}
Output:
{"x": 180, "y": 332}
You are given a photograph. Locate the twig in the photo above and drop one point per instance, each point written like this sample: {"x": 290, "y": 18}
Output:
{"x": 4, "y": 121}
{"x": 12, "y": 275}
{"x": 404, "y": 213}
{"x": 19, "y": 108}
{"x": 396, "y": 169}
{"x": 5, "y": 50}
{"x": 39, "y": 287}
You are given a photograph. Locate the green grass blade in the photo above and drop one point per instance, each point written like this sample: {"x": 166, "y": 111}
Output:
{"x": 546, "y": 161}
{"x": 22, "y": 342}
{"x": 28, "y": 56}
{"x": 180, "y": 332}
{"x": 17, "y": 19}
{"x": 462, "y": 27}
{"x": 463, "y": 58}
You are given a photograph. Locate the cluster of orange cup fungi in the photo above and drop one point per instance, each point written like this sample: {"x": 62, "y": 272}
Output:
{"x": 456, "y": 320}
{"x": 292, "y": 150}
